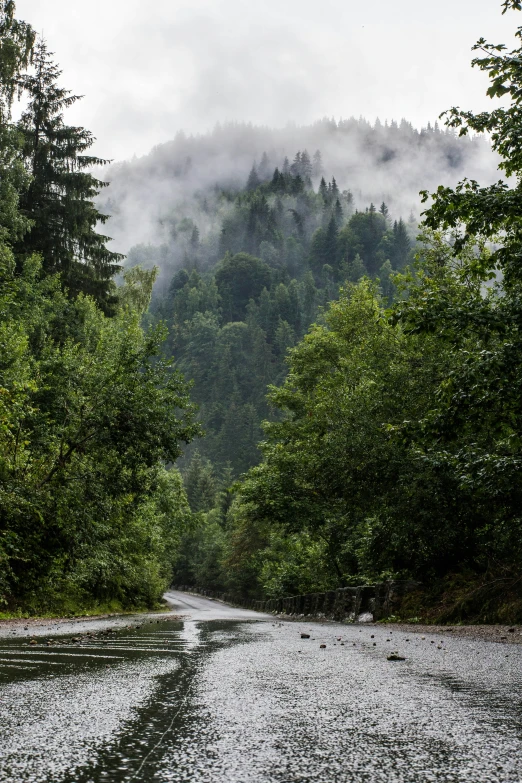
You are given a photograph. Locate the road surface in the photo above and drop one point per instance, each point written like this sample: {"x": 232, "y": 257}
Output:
{"x": 229, "y": 695}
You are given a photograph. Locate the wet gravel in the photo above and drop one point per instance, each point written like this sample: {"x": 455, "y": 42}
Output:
{"x": 216, "y": 698}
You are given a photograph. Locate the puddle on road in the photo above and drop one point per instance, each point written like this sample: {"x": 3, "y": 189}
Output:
{"x": 98, "y": 709}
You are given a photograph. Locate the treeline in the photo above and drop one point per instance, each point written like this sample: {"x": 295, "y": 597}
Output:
{"x": 396, "y": 450}
{"x": 90, "y": 412}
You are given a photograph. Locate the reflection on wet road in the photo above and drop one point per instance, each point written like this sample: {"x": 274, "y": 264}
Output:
{"x": 228, "y": 698}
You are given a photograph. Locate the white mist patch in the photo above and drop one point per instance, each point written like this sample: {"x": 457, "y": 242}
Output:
{"x": 159, "y": 197}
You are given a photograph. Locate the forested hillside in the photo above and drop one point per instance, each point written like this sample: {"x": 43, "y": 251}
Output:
{"x": 285, "y": 249}
{"x": 194, "y": 179}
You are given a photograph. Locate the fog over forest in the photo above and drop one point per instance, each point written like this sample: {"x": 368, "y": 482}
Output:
{"x": 183, "y": 179}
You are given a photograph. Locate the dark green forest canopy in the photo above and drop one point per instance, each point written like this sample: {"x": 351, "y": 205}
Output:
{"x": 285, "y": 248}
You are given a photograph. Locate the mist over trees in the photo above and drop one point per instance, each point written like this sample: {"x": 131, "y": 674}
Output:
{"x": 195, "y": 178}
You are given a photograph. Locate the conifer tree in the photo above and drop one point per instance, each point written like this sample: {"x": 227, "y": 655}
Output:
{"x": 16, "y": 46}
{"x": 401, "y": 244}
{"x": 338, "y": 213}
{"x": 323, "y": 190}
{"x": 317, "y": 165}
{"x": 330, "y": 242}
{"x": 59, "y": 200}
{"x": 264, "y": 168}
{"x": 295, "y": 168}
{"x": 194, "y": 239}
{"x": 306, "y": 166}
{"x": 253, "y": 180}
{"x": 354, "y": 270}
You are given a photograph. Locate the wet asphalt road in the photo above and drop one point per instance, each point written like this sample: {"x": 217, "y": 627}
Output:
{"x": 229, "y": 695}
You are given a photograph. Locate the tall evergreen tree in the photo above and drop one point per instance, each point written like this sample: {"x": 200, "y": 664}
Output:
{"x": 338, "y": 213}
{"x": 330, "y": 245}
{"x": 295, "y": 168}
{"x": 317, "y": 164}
{"x": 59, "y": 200}
{"x": 306, "y": 166}
{"x": 401, "y": 245}
{"x": 264, "y": 168}
{"x": 253, "y": 180}
{"x": 16, "y": 46}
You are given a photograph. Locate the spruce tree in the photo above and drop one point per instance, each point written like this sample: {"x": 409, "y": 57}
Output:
{"x": 401, "y": 244}
{"x": 338, "y": 213}
{"x": 295, "y": 168}
{"x": 354, "y": 270}
{"x": 253, "y": 181}
{"x": 264, "y": 168}
{"x": 59, "y": 200}
{"x": 330, "y": 242}
{"x": 317, "y": 165}
{"x": 16, "y": 46}
{"x": 306, "y": 166}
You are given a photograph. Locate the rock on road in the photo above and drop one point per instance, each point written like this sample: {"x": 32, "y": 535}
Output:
{"x": 225, "y": 694}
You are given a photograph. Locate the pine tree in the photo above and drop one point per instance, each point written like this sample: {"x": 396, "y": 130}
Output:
{"x": 278, "y": 182}
{"x": 401, "y": 244}
{"x": 330, "y": 242}
{"x": 384, "y": 210}
{"x": 338, "y": 213}
{"x": 264, "y": 168}
{"x": 317, "y": 165}
{"x": 306, "y": 166}
{"x": 323, "y": 190}
{"x": 253, "y": 180}
{"x": 295, "y": 168}
{"x": 194, "y": 239}
{"x": 354, "y": 270}
{"x": 335, "y": 189}
{"x": 385, "y": 275}
{"x": 200, "y": 483}
{"x": 59, "y": 200}
{"x": 16, "y": 46}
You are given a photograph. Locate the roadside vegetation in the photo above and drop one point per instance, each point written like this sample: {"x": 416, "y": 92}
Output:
{"x": 90, "y": 414}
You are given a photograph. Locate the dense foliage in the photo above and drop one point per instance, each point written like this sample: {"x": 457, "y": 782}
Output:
{"x": 286, "y": 248}
{"x": 397, "y": 449}
{"x": 90, "y": 413}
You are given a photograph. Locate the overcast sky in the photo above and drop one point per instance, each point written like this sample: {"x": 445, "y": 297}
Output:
{"x": 149, "y": 69}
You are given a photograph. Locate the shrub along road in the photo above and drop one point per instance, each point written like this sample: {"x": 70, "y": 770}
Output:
{"x": 229, "y": 695}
